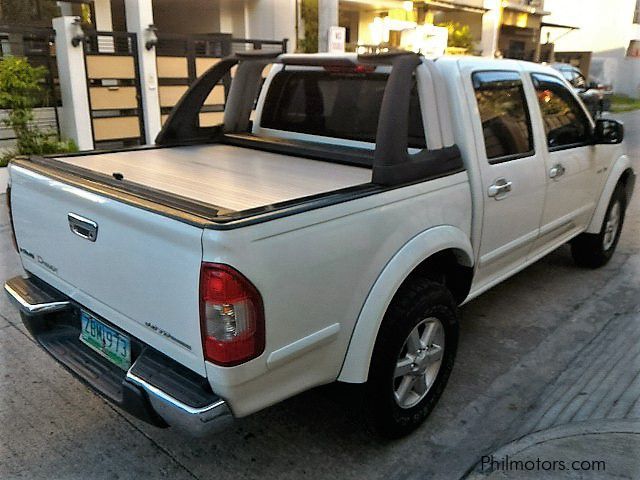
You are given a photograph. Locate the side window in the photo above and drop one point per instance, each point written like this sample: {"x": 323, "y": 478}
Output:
{"x": 504, "y": 114}
{"x": 565, "y": 122}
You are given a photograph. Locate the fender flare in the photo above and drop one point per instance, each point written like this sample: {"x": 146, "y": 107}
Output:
{"x": 355, "y": 368}
{"x": 621, "y": 165}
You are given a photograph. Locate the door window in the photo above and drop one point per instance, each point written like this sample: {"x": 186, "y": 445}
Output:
{"x": 504, "y": 114}
{"x": 565, "y": 123}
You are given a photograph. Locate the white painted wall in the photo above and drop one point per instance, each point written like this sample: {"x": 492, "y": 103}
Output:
{"x": 75, "y": 122}
{"x": 327, "y": 18}
{"x": 188, "y": 16}
{"x": 139, "y": 16}
{"x": 232, "y": 18}
{"x": 271, "y": 20}
{"x": 490, "y": 28}
{"x": 605, "y": 28}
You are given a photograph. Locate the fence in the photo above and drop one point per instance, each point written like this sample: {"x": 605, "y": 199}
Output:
{"x": 183, "y": 58}
{"x": 113, "y": 83}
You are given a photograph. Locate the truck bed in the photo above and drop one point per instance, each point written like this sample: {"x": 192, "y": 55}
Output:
{"x": 231, "y": 177}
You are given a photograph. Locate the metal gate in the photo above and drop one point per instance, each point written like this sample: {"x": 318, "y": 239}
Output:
{"x": 113, "y": 85}
{"x": 183, "y": 58}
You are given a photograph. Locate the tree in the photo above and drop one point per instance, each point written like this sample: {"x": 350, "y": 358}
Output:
{"x": 459, "y": 35}
{"x": 309, "y": 14}
{"x": 20, "y": 90}
{"x": 28, "y": 12}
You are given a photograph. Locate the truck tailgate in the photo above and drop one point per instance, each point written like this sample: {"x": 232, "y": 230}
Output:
{"x": 141, "y": 273}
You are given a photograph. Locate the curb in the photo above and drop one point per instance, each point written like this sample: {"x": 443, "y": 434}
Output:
{"x": 537, "y": 439}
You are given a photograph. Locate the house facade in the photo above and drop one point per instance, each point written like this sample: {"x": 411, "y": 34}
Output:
{"x": 124, "y": 64}
{"x": 612, "y": 36}
{"x": 509, "y": 28}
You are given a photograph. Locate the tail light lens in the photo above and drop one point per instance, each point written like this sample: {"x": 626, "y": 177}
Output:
{"x": 231, "y": 316}
{"x": 13, "y": 230}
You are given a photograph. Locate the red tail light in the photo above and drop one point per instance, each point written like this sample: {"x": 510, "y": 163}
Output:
{"x": 231, "y": 316}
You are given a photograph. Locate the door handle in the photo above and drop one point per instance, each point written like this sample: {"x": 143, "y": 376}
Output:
{"x": 83, "y": 227}
{"x": 557, "y": 171}
{"x": 499, "y": 187}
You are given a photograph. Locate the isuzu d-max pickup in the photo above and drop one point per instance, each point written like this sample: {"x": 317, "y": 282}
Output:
{"x": 326, "y": 231}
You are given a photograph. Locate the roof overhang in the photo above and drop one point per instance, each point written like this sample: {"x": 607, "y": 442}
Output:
{"x": 454, "y": 5}
{"x": 451, "y": 5}
{"x": 558, "y": 25}
{"x": 524, "y": 9}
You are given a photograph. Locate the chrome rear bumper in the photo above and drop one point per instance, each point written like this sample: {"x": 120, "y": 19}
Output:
{"x": 155, "y": 388}
{"x": 196, "y": 421}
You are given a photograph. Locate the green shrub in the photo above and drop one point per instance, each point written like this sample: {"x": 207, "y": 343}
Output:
{"x": 459, "y": 35}
{"x": 20, "y": 89}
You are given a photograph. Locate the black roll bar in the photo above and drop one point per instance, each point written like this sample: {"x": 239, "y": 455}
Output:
{"x": 182, "y": 124}
{"x": 392, "y": 162}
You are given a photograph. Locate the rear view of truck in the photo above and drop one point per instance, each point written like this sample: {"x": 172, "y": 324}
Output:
{"x": 93, "y": 258}
{"x": 136, "y": 259}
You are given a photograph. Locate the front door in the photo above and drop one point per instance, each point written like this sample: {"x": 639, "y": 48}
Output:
{"x": 512, "y": 171}
{"x": 570, "y": 162}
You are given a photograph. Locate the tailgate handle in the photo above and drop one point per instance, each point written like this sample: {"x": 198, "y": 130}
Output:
{"x": 83, "y": 227}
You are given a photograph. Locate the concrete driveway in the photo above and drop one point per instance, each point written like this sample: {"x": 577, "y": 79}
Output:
{"x": 517, "y": 340}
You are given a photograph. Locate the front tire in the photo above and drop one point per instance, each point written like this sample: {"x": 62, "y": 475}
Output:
{"x": 594, "y": 250}
{"x": 412, "y": 358}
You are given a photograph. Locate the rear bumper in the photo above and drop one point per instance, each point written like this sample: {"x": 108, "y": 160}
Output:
{"x": 155, "y": 389}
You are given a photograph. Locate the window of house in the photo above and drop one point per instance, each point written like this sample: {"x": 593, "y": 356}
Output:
{"x": 565, "y": 122}
{"x": 338, "y": 105}
{"x": 504, "y": 114}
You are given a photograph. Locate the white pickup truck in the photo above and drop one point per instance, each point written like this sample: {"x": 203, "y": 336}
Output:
{"x": 329, "y": 235}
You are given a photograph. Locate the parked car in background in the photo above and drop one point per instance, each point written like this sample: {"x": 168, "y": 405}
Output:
{"x": 595, "y": 95}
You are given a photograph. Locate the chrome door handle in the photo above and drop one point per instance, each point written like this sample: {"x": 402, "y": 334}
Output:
{"x": 557, "y": 171}
{"x": 501, "y": 186}
{"x": 83, "y": 227}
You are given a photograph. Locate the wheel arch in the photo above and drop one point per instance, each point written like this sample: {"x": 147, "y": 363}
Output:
{"x": 442, "y": 253}
{"x": 621, "y": 172}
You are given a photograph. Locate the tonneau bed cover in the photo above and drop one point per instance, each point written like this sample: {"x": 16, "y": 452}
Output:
{"x": 226, "y": 176}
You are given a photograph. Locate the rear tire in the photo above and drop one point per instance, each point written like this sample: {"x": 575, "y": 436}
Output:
{"x": 593, "y": 250}
{"x": 412, "y": 358}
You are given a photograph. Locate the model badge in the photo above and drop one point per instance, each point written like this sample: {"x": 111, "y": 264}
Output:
{"x": 39, "y": 259}
{"x": 166, "y": 334}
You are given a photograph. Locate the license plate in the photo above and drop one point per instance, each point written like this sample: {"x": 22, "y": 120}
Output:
{"x": 112, "y": 345}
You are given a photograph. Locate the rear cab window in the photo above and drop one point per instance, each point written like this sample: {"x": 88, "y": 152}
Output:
{"x": 506, "y": 125}
{"x": 342, "y": 105}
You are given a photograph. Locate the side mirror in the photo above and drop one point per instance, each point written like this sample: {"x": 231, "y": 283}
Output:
{"x": 608, "y": 131}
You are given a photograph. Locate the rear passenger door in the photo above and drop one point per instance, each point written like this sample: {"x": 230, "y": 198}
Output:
{"x": 569, "y": 158}
{"x": 512, "y": 172}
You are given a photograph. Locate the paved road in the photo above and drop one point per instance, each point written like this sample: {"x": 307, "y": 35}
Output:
{"x": 515, "y": 343}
